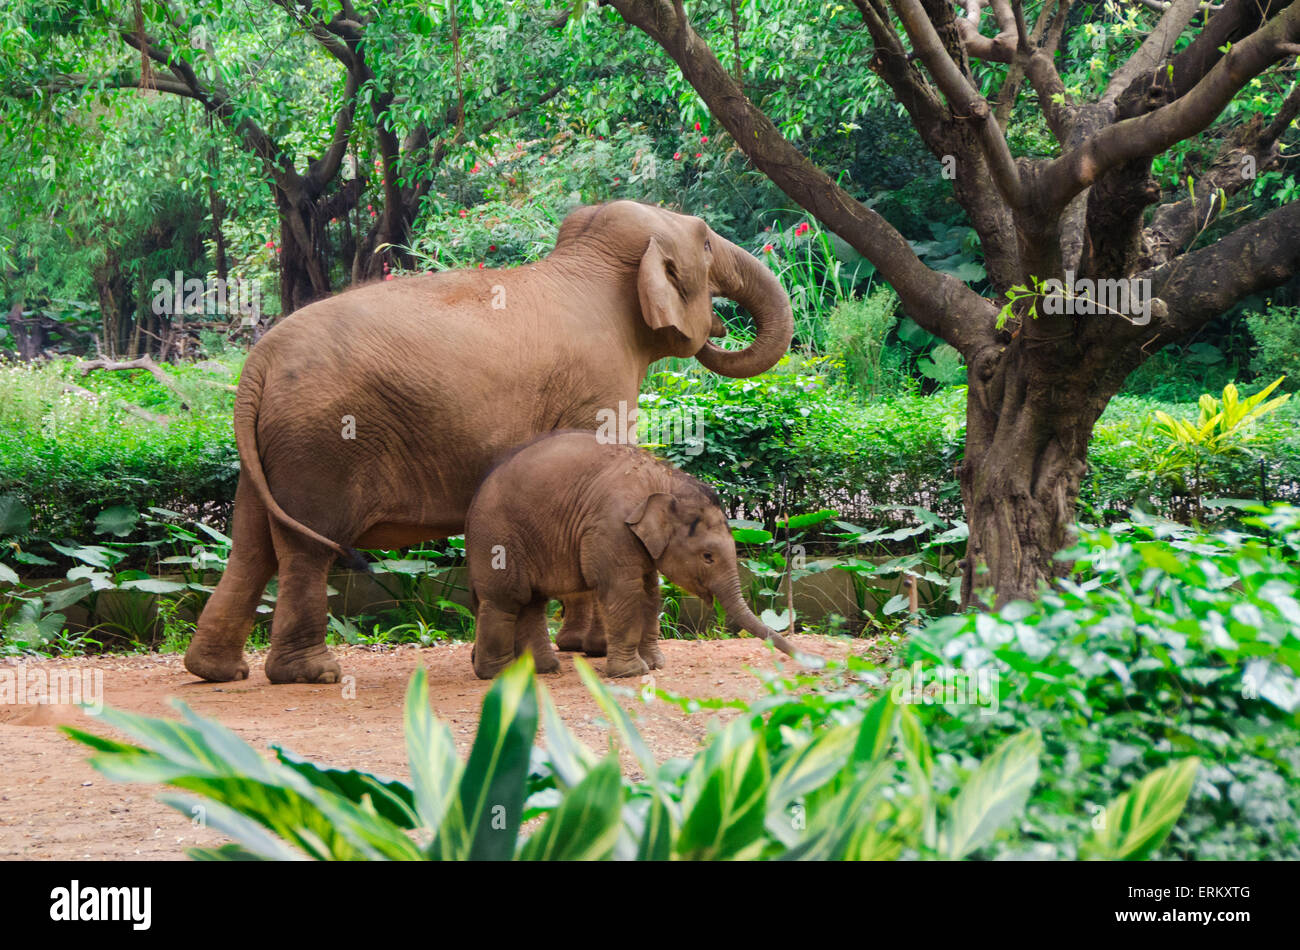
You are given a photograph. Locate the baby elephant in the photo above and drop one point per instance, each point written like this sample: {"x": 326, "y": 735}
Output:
{"x": 566, "y": 514}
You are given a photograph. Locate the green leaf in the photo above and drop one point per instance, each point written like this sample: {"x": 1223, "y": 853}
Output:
{"x": 431, "y": 754}
{"x": 799, "y": 522}
{"x": 392, "y": 800}
{"x": 724, "y": 803}
{"x": 994, "y": 793}
{"x": 15, "y": 517}
{"x": 586, "y": 825}
{"x": 876, "y": 733}
{"x": 1137, "y": 822}
{"x": 118, "y": 521}
{"x": 492, "y": 788}
{"x": 570, "y": 760}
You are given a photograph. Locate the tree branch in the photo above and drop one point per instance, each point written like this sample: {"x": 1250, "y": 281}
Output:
{"x": 1147, "y": 135}
{"x": 938, "y": 302}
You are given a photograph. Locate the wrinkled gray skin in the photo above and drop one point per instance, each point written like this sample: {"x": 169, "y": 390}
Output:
{"x": 369, "y": 419}
{"x": 567, "y": 514}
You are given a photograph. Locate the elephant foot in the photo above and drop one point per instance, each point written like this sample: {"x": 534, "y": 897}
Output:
{"x": 615, "y": 668}
{"x": 654, "y": 658}
{"x": 546, "y": 662}
{"x": 316, "y": 667}
{"x": 570, "y": 639}
{"x": 213, "y": 666}
{"x": 595, "y": 645}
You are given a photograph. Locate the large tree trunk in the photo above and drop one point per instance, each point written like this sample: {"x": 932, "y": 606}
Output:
{"x": 1030, "y": 413}
{"x": 304, "y": 269}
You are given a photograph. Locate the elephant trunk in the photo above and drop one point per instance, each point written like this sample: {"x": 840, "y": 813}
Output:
{"x": 728, "y": 594}
{"x": 740, "y": 276}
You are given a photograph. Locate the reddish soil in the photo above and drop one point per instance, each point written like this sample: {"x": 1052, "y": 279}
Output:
{"x": 54, "y": 805}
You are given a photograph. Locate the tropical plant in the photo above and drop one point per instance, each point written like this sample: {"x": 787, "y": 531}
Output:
{"x": 866, "y": 788}
{"x": 1224, "y": 428}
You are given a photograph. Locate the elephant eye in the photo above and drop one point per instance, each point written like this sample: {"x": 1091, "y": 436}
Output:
{"x": 707, "y": 245}
{"x": 708, "y": 558}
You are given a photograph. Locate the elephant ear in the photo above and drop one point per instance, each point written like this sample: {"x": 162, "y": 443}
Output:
{"x": 653, "y": 522}
{"x": 661, "y": 302}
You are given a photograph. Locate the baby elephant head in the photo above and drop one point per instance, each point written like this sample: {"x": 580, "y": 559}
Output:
{"x": 687, "y": 536}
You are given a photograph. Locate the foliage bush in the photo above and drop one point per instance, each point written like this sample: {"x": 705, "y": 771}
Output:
{"x": 68, "y": 457}
{"x": 1277, "y": 344}
{"x": 1163, "y": 643}
{"x": 857, "y": 329}
{"x": 782, "y": 780}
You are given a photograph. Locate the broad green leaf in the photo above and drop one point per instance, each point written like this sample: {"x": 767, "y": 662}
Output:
{"x": 492, "y": 786}
{"x": 995, "y": 791}
{"x": 724, "y": 811}
{"x": 15, "y": 517}
{"x": 569, "y": 758}
{"x": 391, "y": 799}
{"x": 118, "y": 521}
{"x": 431, "y": 754}
{"x": 1137, "y": 822}
{"x": 586, "y": 825}
{"x": 876, "y": 733}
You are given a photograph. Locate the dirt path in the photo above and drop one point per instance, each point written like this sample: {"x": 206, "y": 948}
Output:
{"x": 54, "y": 805}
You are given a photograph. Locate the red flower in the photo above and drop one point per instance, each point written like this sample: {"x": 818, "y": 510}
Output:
{"x": 699, "y": 154}
{"x": 270, "y": 244}
{"x": 802, "y": 229}
{"x": 697, "y": 126}
{"x": 480, "y": 265}
{"x": 677, "y": 156}
{"x": 464, "y": 213}
{"x": 474, "y": 170}
{"x": 617, "y": 180}
{"x": 492, "y": 247}
{"x": 389, "y": 276}
{"x": 704, "y": 139}
{"x": 767, "y": 248}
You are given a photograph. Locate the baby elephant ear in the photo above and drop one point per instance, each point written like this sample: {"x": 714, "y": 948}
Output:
{"x": 653, "y": 522}
{"x": 661, "y": 303}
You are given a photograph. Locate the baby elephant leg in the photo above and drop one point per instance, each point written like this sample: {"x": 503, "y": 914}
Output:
{"x": 583, "y": 630}
{"x": 623, "y": 612}
{"x": 531, "y": 634}
{"x": 649, "y": 646}
{"x": 494, "y": 639}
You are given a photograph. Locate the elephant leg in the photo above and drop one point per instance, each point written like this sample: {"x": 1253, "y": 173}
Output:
{"x": 579, "y": 614}
{"x": 298, "y": 653}
{"x": 494, "y": 639}
{"x": 531, "y": 634}
{"x": 623, "y": 614}
{"x": 216, "y": 653}
{"x": 649, "y": 646}
{"x": 594, "y": 644}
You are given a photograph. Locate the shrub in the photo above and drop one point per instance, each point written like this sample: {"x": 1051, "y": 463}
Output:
{"x": 1277, "y": 344}
{"x": 866, "y": 787}
{"x": 857, "y": 328}
{"x": 1163, "y": 643}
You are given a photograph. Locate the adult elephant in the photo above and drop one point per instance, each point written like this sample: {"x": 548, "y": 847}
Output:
{"x": 370, "y": 418}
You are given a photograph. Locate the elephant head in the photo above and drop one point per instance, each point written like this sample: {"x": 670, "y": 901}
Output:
{"x": 680, "y": 265}
{"x": 686, "y": 534}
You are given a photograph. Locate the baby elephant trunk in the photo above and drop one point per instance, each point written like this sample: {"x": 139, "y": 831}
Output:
{"x": 729, "y": 596}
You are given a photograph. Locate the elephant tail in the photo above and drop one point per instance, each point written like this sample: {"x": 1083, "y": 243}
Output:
{"x": 248, "y": 400}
